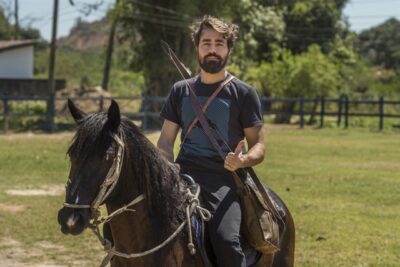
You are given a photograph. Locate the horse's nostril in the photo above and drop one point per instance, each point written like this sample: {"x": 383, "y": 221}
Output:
{"x": 72, "y": 220}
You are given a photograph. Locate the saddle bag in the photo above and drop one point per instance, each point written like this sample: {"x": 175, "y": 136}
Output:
{"x": 259, "y": 221}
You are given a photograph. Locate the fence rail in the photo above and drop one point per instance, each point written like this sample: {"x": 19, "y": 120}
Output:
{"x": 342, "y": 108}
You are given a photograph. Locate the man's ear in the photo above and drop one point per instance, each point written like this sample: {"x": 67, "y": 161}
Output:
{"x": 76, "y": 113}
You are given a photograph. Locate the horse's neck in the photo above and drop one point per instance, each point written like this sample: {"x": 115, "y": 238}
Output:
{"x": 133, "y": 232}
{"x": 131, "y": 227}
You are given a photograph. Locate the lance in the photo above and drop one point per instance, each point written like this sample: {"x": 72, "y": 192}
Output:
{"x": 183, "y": 70}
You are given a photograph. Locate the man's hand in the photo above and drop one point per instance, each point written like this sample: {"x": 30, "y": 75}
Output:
{"x": 235, "y": 160}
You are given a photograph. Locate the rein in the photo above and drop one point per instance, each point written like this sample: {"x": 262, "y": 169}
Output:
{"x": 108, "y": 186}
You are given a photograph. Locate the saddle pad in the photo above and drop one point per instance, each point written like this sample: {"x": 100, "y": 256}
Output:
{"x": 198, "y": 233}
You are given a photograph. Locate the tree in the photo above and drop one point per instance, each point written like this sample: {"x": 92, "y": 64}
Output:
{"x": 380, "y": 44}
{"x": 313, "y": 22}
{"x": 261, "y": 29}
{"x": 5, "y": 27}
{"x": 8, "y": 31}
{"x": 146, "y": 23}
{"x": 311, "y": 74}
{"x": 267, "y": 28}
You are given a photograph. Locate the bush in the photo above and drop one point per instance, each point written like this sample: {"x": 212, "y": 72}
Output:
{"x": 311, "y": 74}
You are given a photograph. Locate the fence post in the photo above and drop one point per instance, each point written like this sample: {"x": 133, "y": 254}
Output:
{"x": 346, "y": 111}
{"x": 5, "y": 115}
{"x": 51, "y": 112}
{"x": 321, "y": 121}
{"x": 381, "y": 112}
{"x": 302, "y": 112}
{"x": 101, "y": 103}
{"x": 144, "y": 110}
{"x": 339, "y": 119}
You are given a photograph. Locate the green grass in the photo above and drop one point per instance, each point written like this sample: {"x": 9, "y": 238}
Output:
{"x": 342, "y": 187}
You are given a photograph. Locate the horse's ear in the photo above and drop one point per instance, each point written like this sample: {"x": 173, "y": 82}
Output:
{"x": 114, "y": 116}
{"x": 76, "y": 113}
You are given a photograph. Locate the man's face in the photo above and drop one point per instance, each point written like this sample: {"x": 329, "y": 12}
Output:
{"x": 213, "y": 51}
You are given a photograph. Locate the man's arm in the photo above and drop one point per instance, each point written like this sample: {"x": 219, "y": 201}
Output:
{"x": 167, "y": 138}
{"x": 255, "y": 155}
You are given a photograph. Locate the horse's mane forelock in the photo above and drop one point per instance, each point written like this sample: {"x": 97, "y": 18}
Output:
{"x": 88, "y": 135}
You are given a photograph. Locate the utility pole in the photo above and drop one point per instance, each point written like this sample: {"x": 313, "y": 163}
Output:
{"x": 16, "y": 19}
{"x": 51, "y": 101}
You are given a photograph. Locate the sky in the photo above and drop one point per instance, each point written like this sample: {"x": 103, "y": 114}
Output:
{"x": 361, "y": 14}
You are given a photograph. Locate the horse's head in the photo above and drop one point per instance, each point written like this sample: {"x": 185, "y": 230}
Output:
{"x": 95, "y": 155}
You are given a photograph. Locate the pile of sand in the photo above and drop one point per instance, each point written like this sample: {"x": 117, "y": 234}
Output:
{"x": 85, "y": 98}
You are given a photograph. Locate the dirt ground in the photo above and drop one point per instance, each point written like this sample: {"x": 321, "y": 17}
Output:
{"x": 49, "y": 190}
{"x": 13, "y": 255}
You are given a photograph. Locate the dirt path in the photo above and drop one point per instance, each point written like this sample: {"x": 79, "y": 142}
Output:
{"x": 13, "y": 254}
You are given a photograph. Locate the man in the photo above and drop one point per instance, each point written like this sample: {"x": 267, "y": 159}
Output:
{"x": 234, "y": 114}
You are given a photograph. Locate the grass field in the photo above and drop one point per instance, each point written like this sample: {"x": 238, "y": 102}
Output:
{"x": 342, "y": 187}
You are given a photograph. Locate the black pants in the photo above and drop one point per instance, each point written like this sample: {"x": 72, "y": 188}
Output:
{"x": 220, "y": 198}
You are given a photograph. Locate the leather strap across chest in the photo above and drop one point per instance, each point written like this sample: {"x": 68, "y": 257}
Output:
{"x": 206, "y": 105}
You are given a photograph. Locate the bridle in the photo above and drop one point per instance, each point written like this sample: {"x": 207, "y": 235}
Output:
{"x": 108, "y": 186}
{"x": 109, "y": 182}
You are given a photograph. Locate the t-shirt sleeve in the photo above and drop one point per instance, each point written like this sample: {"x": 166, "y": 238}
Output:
{"x": 251, "y": 115}
{"x": 170, "y": 109}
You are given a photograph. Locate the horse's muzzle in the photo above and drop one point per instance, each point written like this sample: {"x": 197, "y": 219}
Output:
{"x": 73, "y": 221}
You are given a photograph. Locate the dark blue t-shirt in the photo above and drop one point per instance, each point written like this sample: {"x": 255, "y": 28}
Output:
{"x": 236, "y": 107}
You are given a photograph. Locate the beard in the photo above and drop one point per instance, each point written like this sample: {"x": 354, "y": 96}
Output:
{"x": 214, "y": 65}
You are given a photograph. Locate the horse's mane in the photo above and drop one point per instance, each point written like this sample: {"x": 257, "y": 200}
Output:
{"x": 158, "y": 180}
{"x": 154, "y": 175}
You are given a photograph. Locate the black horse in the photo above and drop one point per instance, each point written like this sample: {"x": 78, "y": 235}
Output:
{"x": 106, "y": 146}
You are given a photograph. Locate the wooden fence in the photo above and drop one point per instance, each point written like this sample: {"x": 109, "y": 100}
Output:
{"x": 341, "y": 109}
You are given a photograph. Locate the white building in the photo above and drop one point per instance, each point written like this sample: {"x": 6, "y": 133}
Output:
{"x": 16, "y": 59}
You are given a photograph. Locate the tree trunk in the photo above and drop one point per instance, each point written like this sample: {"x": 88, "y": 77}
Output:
{"x": 287, "y": 110}
{"x": 312, "y": 119}
{"x": 160, "y": 78}
{"x": 110, "y": 50}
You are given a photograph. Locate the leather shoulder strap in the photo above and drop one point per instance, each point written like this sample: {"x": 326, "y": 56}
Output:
{"x": 207, "y": 130}
{"x": 206, "y": 104}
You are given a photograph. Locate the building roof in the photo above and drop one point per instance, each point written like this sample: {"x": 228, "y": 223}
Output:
{"x": 14, "y": 44}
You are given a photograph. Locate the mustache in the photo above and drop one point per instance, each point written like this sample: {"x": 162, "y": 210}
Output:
{"x": 213, "y": 55}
